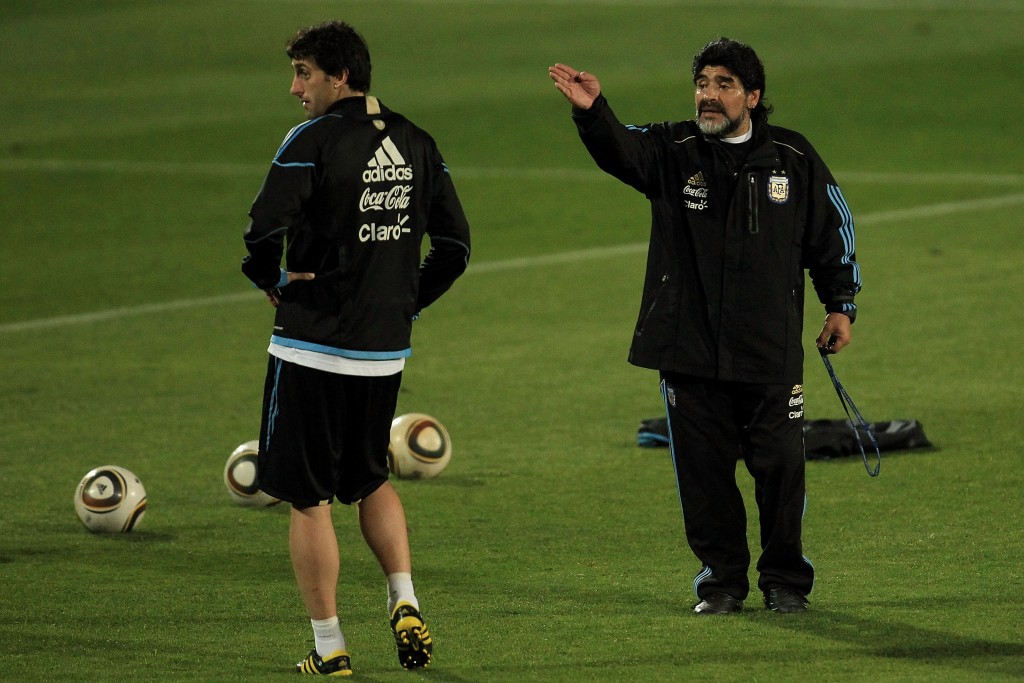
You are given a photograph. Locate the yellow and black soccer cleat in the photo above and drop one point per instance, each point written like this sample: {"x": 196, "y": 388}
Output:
{"x": 411, "y": 636}
{"x": 338, "y": 664}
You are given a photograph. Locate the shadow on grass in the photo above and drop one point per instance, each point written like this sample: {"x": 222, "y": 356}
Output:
{"x": 428, "y": 674}
{"x": 902, "y": 640}
{"x": 18, "y": 553}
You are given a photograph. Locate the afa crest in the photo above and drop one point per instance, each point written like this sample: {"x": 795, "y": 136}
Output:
{"x": 778, "y": 189}
{"x": 670, "y": 394}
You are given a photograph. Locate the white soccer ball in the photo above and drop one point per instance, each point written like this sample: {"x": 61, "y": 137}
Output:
{"x": 110, "y": 499}
{"x": 240, "y": 477}
{"x": 420, "y": 447}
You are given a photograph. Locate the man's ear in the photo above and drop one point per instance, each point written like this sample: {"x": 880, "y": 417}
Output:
{"x": 340, "y": 80}
{"x": 753, "y": 97}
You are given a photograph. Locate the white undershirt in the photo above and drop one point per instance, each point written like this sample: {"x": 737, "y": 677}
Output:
{"x": 740, "y": 139}
{"x": 336, "y": 364}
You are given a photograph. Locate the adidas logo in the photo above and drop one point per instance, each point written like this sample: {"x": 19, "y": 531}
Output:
{"x": 387, "y": 155}
{"x": 697, "y": 180}
{"x": 387, "y": 164}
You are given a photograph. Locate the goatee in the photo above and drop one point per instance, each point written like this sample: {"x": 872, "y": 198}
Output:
{"x": 721, "y": 128}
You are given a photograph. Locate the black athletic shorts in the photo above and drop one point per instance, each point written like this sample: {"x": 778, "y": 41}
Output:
{"x": 324, "y": 435}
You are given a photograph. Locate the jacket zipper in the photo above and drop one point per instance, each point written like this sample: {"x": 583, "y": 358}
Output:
{"x": 752, "y": 221}
{"x": 650, "y": 309}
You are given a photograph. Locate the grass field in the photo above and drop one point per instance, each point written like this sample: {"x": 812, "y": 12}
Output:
{"x": 135, "y": 135}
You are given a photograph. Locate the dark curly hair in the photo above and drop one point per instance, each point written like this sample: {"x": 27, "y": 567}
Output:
{"x": 336, "y": 47}
{"x": 740, "y": 59}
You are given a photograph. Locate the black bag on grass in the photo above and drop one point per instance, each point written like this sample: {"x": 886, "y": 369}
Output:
{"x": 826, "y": 439}
{"x": 823, "y": 439}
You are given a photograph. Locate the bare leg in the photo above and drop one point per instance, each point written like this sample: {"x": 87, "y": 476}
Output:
{"x": 314, "y": 552}
{"x": 382, "y": 521}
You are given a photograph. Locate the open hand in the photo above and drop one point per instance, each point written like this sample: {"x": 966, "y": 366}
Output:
{"x": 579, "y": 87}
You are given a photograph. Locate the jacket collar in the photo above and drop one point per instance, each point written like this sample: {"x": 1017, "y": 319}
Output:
{"x": 349, "y": 106}
{"x": 763, "y": 152}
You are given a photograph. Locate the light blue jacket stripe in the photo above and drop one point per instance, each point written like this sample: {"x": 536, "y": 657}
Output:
{"x": 343, "y": 353}
{"x": 292, "y": 135}
{"x": 845, "y": 229}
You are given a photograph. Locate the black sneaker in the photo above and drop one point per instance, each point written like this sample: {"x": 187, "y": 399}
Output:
{"x": 411, "y": 636}
{"x": 785, "y": 601}
{"x": 338, "y": 664}
{"x": 718, "y": 603}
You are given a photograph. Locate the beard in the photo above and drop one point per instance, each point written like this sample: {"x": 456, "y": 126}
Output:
{"x": 721, "y": 128}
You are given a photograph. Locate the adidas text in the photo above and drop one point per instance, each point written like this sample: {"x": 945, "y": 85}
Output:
{"x": 377, "y": 175}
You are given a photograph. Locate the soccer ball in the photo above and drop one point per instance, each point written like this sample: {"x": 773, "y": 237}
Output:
{"x": 240, "y": 477}
{"x": 110, "y": 499}
{"x": 420, "y": 447}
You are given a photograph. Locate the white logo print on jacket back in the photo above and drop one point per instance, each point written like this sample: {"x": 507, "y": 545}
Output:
{"x": 387, "y": 164}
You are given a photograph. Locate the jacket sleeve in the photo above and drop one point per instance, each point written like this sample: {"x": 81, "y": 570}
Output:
{"x": 448, "y": 230}
{"x": 830, "y": 248}
{"x": 626, "y": 152}
{"x": 276, "y": 208}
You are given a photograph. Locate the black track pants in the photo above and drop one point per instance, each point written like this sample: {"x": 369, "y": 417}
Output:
{"x": 712, "y": 426}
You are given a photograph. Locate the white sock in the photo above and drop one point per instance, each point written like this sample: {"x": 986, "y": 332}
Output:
{"x": 327, "y": 633}
{"x": 400, "y": 590}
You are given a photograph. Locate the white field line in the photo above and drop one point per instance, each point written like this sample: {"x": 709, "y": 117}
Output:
{"x": 127, "y": 312}
{"x": 573, "y": 256}
{"x": 139, "y": 167}
{"x": 870, "y": 5}
{"x": 941, "y": 209}
{"x": 465, "y": 172}
{"x": 875, "y": 218}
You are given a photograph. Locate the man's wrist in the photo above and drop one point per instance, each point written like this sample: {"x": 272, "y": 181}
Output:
{"x": 847, "y": 309}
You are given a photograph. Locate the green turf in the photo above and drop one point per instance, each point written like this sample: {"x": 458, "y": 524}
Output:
{"x": 135, "y": 135}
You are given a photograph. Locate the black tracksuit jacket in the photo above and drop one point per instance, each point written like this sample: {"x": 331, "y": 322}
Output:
{"x": 354, "y": 192}
{"x": 724, "y": 290}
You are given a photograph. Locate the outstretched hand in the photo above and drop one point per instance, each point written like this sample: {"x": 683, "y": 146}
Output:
{"x": 579, "y": 87}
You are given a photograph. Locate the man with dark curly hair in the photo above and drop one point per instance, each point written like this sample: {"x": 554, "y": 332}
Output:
{"x": 352, "y": 192}
{"x": 740, "y": 209}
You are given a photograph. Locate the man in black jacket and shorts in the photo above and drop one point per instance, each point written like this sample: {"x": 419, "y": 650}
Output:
{"x": 352, "y": 192}
{"x": 740, "y": 209}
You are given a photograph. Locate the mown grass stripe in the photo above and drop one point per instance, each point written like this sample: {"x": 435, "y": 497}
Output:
{"x": 463, "y": 172}
{"x": 577, "y": 255}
